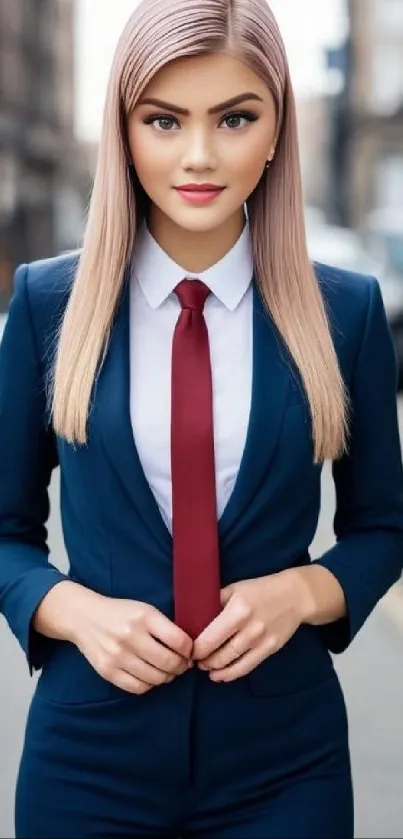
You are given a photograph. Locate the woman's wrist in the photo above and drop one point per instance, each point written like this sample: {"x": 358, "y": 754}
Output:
{"x": 58, "y": 615}
{"x": 319, "y": 597}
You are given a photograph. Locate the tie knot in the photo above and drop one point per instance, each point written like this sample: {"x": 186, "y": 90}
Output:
{"x": 192, "y": 294}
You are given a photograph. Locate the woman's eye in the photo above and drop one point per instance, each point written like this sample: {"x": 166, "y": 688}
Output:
{"x": 237, "y": 117}
{"x": 165, "y": 122}
{"x": 162, "y": 120}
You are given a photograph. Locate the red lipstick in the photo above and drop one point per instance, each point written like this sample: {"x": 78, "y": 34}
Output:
{"x": 199, "y": 193}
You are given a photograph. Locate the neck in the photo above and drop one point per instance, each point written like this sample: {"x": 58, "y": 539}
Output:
{"x": 195, "y": 251}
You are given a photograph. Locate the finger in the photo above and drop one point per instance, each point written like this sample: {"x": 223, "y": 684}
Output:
{"x": 159, "y": 656}
{"x": 164, "y": 658}
{"x": 226, "y": 593}
{"x": 130, "y": 684}
{"x": 171, "y": 635}
{"x": 241, "y": 667}
{"x": 135, "y": 666}
{"x": 223, "y": 627}
{"x": 229, "y": 652}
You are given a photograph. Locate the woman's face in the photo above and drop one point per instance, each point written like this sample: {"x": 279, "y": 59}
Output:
{"x": 189, "y": 136}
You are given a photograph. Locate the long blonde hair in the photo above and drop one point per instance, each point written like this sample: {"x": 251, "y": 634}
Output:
{"x": 160, "y": 31}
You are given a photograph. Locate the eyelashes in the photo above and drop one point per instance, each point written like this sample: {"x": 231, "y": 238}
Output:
{"x": 167, "y": 118}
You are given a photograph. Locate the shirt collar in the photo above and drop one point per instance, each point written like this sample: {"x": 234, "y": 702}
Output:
{"x": 158, "y": 275}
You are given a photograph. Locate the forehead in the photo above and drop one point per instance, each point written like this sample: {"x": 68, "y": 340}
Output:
{"x": 210, "y": 78}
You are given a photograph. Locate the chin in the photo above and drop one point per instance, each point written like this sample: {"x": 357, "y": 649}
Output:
{"x": 199, "y": 221}
{"x": 199, "y": 227}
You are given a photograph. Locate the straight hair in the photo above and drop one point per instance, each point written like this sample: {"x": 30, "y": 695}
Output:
{"x": 158, "y": 32}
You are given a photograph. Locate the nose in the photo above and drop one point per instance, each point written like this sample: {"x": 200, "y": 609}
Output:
{"x": 199, "y": 154}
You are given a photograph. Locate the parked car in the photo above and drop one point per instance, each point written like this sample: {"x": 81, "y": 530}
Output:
{"x": 339, "y": 246}
{"x": 382, "y": 232}
{"x": 314, "y": 217}
{"x": 368, "y": 251}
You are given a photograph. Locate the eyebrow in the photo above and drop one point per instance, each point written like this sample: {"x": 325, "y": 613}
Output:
{"x": 236, "y": 100}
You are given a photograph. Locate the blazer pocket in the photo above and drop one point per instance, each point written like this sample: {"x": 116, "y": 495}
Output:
{"x": 302, "y": 662}
{"x": 67, "y": 678}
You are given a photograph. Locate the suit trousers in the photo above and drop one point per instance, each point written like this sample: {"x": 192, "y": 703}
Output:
{"x": 192, "y": 759}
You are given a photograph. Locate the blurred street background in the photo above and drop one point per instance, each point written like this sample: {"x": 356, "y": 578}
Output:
{"x": 346, "y": 59}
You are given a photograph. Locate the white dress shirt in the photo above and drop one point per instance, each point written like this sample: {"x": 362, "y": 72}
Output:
{"x": 154, "y": 311}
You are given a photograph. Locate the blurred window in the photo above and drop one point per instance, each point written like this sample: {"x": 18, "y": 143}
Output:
{"x": 394, "y": 250}
{"x": 388, "y": 182}
{"x": 8, "y": 192}
{"x": 386, "y": 247}
{"x": 11, "y": 77}
{"x": 39, "y": 18}
{"x": 12, "y": 16}
{"x": 45, "y": 35}
{"x": 389, "y": 15}
{"x": 69, "y": 217}
{"x": 387, "y": 77}
{"x": 45, "y": 22}
{"x": 12, "y": 81}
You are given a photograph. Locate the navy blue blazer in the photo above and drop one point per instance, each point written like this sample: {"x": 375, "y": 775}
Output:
{"x": 116, "y": 539}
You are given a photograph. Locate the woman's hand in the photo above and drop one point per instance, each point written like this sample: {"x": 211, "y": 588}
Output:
{"x": 258, "y": 618}
{"x": 132, "y": 644}
{"x": 129, "y": 643}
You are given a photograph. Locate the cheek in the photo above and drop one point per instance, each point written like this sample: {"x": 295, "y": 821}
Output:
{"x": 150, "y": 163}
{"x": 248, "y": 169}
{"x": 250, "y": 158}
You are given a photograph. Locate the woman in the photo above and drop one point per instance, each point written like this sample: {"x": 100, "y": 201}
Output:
{"x": 190, "y": 370}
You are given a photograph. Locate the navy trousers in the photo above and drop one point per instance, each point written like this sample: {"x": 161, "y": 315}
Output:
{"x": 189, "y": 759}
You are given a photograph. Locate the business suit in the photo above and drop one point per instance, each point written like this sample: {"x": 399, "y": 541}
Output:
{"x": 266, "y": 755}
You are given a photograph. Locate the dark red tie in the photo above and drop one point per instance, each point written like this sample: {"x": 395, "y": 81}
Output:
{"x": 196, "y": 562}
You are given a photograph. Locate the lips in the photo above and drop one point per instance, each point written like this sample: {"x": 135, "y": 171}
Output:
{"x": 199, "y": 196}
{"x": 200, "y": 188}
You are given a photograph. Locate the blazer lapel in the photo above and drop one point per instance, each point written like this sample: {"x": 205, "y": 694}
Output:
{"x": 270, "y": 383}
{"x": 112, "y": 415}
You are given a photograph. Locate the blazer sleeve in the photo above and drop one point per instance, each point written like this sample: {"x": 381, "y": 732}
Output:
{"x": 27, "y": 457}
{"x": 368, "y": 555}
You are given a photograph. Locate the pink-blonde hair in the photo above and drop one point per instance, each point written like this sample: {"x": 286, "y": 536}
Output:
{"x": 158, "y": 32}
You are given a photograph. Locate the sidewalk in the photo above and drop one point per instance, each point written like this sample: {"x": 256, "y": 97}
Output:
{"x": 371, "y": 674}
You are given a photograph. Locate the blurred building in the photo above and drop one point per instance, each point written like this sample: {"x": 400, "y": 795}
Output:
{"x": 376, "y": 102}
{"x": 313, "y": 131}
{"x": 44, "y": 175}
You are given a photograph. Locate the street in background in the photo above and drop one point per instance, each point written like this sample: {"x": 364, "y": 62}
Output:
{"x": 375, "y": 249}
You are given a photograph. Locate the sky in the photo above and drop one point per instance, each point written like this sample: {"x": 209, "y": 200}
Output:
{"x": 306, "y": 26}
